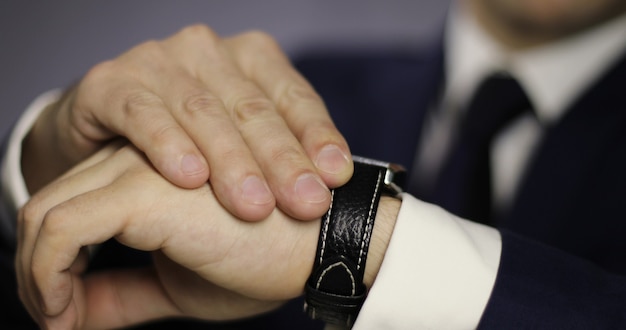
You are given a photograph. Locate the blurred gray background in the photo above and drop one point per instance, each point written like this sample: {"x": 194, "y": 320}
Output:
{"x": 49, "y": 44}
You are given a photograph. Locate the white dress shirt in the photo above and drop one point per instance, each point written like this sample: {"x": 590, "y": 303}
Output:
{"x": 439, "y": 269}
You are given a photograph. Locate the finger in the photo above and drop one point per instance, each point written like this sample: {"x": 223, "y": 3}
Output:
{"x": 235, "y": 176}
{"x": 91, "y": 174}
{"x": 110, "y": 99}
{"x": 105, "y": 152}
{"x": 115, "y": 299}
{"x": 237, "y": 179}
{"x": 55, "y": 251}
{"x": 261, "y": 59}
{"x": 291, "y": 176}
{"x": 32, "y": 214}
{"x": 85, "y": 220}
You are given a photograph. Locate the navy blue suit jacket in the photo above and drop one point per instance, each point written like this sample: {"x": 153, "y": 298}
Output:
{"x": 563, "y": 263}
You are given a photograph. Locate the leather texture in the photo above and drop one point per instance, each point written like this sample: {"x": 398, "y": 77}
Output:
{"x": 335, "y": 291}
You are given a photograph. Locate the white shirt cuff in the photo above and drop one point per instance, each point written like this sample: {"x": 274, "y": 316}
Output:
{"x": 438, "y": 272}
{"x": 14, "y": 192}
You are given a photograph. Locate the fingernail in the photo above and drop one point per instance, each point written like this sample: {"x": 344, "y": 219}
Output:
{"x": 331, "y": 159}
{"x": 191, "y": 164}
{"x": 310, "y": 189}
{"x": 255, "y": 191}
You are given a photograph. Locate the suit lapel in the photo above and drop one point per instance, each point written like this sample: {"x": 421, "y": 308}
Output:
{"x": 572, "y": 156}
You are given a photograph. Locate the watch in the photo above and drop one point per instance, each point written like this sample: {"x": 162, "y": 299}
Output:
{"x": 335, "y": 292}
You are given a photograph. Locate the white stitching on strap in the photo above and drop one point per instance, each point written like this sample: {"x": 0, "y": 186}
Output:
{"x": 367, "y": 230}
{"x": 337, "y": 264}
{"x": 325, "y": 225}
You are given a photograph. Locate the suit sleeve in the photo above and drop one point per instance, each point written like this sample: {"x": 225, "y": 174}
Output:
{"x": 540, "y": 287}
{"x": 14, "y": 192}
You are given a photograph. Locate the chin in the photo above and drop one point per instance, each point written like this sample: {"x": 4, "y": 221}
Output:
{"x": 553, "y": 18}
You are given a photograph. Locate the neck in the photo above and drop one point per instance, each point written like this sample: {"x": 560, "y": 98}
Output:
{"x": 498, "y": 29}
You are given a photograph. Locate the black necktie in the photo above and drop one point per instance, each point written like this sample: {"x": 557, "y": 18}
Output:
{"x": 464, "y": 182}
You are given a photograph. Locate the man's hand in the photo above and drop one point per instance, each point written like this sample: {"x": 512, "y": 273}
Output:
{"x": 233, "y": 111}
{"x": 208, "y": 264}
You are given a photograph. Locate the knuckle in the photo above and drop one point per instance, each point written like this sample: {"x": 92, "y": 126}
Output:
{"x": 203, "y": 104}
{"x": 251, "y": 108}
{"x": 297, "y": 95}
{"x": 55, "y": 221}
{"x": 318, "y": 133}
{"x": 29, "y": 213}
{"x": 321, "y": 134}
{"x": 260, "y": 39}
{"x": 148, "y": 55}
{"x": 163, "y": 135}
{"x": 201, "y": 32}
{"x": 321, "y": 129}
{"x": 288, "y": 154}
{"x": 100, "y": 71}
{"x": 137, "y": 103}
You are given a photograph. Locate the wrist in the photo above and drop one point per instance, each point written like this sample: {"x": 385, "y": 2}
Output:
{"x": 337, "y": 286}
{"x": 39, "y": 147}
{"x": 386, "y": 216}
{"x": 48, "y": 142}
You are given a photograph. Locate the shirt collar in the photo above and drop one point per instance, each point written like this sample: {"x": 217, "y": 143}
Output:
{"x": 552, "y": 75}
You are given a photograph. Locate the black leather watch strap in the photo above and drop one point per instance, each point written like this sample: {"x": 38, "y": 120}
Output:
{"x": 335, "y": 291}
